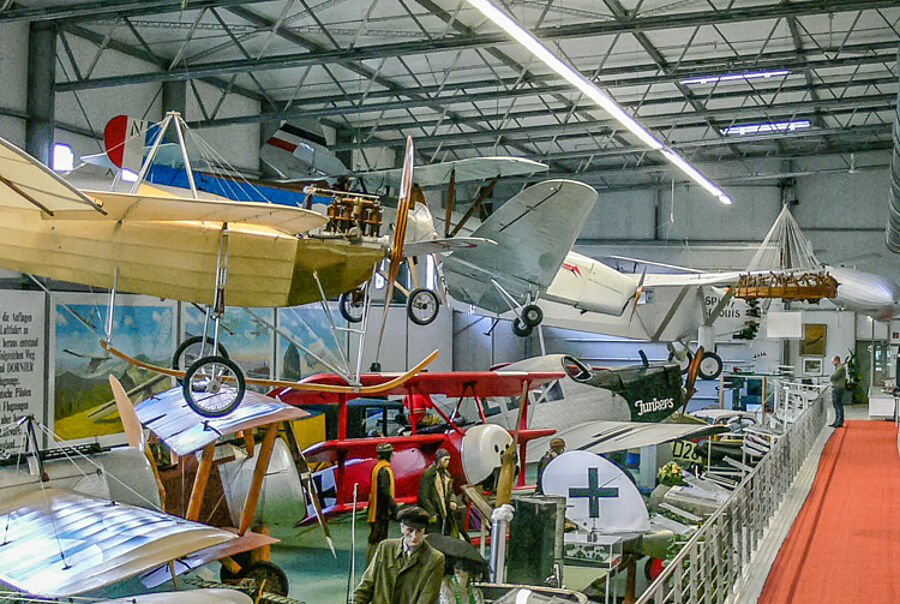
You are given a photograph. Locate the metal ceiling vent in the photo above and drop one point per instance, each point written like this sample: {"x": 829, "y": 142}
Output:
{"x": 893, "y": 227}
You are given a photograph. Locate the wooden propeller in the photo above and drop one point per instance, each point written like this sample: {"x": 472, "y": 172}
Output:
{"x": 690, "y": 380}
{"x": 396, "y": 259}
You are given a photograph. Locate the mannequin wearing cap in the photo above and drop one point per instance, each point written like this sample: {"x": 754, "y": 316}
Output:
{"x": 405, "y": 570}
{"x": 436, "y": 495}
{"x": 382, "y": 506}
{"x": 557, "y": 447}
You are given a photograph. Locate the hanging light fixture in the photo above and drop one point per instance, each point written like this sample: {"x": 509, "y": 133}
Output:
{"x": 593, "y": 92}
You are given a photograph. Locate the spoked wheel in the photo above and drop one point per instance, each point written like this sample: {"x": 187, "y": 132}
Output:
{"x": 710, "y": 366}
{"x": 532, "y": 315}
{"x": 520, "y": 328}
{"x": 268, "y": 575}
{"x": 191, "y": 349}
{"x": 353, "y": 304}
{"x": 213, "y": 386}
{"x": 422, "y": 306}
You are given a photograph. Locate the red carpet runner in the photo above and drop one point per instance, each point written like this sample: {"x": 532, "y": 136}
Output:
{"x": 844, "y": 545}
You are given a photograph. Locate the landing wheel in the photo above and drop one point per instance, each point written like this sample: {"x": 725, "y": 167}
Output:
{"x": 710, "y": 366}
{"x": 243, "y": 559}
{"x": 422, "y": 306}
{"x": 191, "y": 349}
{"x": 520, "y": 328}
{"x": 213, "y": 386}
{"x": 682, "y": 358}
{"x": 532, "y": 315}
{"x": 352, "y": 305}
{"x": 276, "y": 581}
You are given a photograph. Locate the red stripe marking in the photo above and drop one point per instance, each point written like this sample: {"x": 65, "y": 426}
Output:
{"x": 282, "y": 144}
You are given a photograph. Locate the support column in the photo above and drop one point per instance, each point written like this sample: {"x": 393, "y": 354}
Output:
{"x": 344, "y": 137}
{"x": 266, "y": 130}
{"x": 40, "y": 97}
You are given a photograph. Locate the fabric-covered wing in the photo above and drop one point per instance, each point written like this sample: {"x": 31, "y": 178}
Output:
{"x": 166, "y": 208}
{"x": 25, "y": 183}
{"x": 672, "y": 280}
{"x": 452, "y": 384}
{"x": 467, "y": 170}
{"x": 608, "y": 436}
{"x": 184, "y": 431}
{"x": 534, "y": 231}
{"x": 101, "y": 543}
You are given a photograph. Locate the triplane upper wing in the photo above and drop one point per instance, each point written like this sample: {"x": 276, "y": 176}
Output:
{"x": 450, "y": 383}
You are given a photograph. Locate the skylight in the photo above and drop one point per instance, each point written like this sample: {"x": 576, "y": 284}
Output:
{"x": 727, "y": 77}
{"x": 765, "y": 127}
{"x": 63, "y": 159}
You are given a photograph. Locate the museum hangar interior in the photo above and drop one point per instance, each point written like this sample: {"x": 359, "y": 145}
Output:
{"x": 597, "y": 295}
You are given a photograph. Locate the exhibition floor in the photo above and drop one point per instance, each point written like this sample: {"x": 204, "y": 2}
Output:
{"x": 840, "y": 545}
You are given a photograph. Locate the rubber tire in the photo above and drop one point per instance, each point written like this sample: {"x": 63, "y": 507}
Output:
{"x": 188, "y": 395}
{"x": 190, "y": 342}
{"x": 276, "y": 579}
{"x": 410, "y": 300}
{"x": 243, "y": 559}
{"x": 343, "y": 305}
{"x": 521, "y": 329}
{"x": 532, "y": 315}
{"x": 689, "y": 356}
{"x": 704, "y": 375}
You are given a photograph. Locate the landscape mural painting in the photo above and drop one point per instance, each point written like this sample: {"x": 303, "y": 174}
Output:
{"x": 248, "y": 341}
{"x": 143, "y": 327}
{"x": 309, "y": 326}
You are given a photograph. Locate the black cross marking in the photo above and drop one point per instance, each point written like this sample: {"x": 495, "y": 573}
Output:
{"x": 593, "y": 492}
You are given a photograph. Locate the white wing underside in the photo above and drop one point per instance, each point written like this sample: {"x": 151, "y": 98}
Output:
{"x": 102, "y": 543}
{"x": 609, "y": 436}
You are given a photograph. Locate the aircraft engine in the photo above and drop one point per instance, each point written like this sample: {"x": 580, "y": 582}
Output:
{"x": 481, "y": 451}
{"x": 281, "y": 501}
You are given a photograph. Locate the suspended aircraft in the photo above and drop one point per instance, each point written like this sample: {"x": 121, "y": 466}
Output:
{"x": 676, "y": 306}
{"x": 207, "y": 251}
{"x": 297, "y": 154}
{"x": 604, "y": 410}
{"x": 475, "y": 446}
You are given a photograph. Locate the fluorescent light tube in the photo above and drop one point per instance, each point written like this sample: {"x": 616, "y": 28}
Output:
{"x": 589, "y": 89}
{"x": 727, "y": 77}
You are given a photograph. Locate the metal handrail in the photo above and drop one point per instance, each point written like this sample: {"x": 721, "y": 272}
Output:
{"x": 710, "y": 566}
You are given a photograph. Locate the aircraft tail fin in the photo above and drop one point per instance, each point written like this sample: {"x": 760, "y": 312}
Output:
{"x": 534, "y": 231}
{"x": 297, "y": 153}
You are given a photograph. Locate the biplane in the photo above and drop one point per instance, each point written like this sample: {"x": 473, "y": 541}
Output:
{"x": 475, "y": 447}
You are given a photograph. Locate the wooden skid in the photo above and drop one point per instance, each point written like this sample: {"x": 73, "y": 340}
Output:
{"x": 359, "y": 390}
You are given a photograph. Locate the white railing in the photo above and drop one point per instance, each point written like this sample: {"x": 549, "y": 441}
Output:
{"x": 711, "y": 566}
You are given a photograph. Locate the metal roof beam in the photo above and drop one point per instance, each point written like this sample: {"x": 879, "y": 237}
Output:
{"x": 578, "y": 30}
{"x": 328, "y": 105}
{"x": 102, "y": 9}
{"x": 766, "y": 113}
